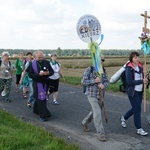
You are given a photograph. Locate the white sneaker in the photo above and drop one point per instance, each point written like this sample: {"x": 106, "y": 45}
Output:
{"x": 123, "y": 122}
{"x": 47, "y": 97}
{"x": 55, "y": 102}
{"x": 141, "y": 132}
{"x": 3, "y": 93}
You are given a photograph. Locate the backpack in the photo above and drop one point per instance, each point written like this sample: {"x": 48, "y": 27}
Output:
{"x": 123, "y": 83}
{"x": 1, "y": 62}
{"x": 17, "y": 61}
{"x": 84, "y": 86}
{"x": 24, "y": 64}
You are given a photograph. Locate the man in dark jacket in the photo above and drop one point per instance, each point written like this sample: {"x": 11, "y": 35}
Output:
{"x": 39, "y": 70}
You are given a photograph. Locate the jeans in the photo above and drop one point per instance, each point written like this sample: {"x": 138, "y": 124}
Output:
{"x": 135, "y": 102}
{"x": 95, "y": 114}
{"x": 31, "y": 94}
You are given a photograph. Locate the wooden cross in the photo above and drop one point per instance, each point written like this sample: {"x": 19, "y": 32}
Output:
{"x": 145, "y": 29}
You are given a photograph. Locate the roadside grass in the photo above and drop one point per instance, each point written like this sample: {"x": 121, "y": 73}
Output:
{"x": 18, "y": 135}
{"x": 111, "y": 88}
{"x": 71, "y": 80}
{"x": 77, "y": 81}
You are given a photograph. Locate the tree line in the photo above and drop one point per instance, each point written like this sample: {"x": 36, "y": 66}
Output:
{"x": 74, "y": 52}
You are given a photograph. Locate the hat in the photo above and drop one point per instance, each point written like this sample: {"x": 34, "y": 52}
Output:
{"x": 5, "y": 53}
{"x": 53, "y": 54}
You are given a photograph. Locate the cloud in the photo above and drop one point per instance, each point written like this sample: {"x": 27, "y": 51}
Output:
{"x": 121, "y": 21}
{"x": 52, "y": 23}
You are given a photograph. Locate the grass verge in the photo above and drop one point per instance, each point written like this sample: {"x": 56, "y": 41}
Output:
{"x": 111, "y": 88}
{"x": 18, "y": 135}
{"x": 77, "y": 81}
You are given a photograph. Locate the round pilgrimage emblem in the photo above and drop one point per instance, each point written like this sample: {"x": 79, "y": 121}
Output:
{"x": 88, "y": 28}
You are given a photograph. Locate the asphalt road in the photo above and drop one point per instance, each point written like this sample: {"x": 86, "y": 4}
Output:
{"x": 66, "y": 119}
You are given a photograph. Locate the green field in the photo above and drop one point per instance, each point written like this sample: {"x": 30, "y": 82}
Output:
{"x": 73, "y": 68}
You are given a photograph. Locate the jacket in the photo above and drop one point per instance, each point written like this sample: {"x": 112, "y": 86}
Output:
{"x": 35, "y": 76}
{"x": 130, "y": 78}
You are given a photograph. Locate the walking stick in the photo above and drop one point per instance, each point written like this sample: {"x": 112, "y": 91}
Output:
{"x": 103, "y": 105}
{"x": 100, "y": 90}
{"x": 146, "y": 50}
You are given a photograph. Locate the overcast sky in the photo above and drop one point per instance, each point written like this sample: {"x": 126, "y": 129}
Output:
{"x": 49, "y": 24}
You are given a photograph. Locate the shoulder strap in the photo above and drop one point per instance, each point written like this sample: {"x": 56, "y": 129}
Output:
{"x": 17, "y": 62}
{"x": 57, "y": 63}
{"x": 9, "y": 63}
{"x": 25, "y": 61}
{"x": 34, "y": 66}
{"x": 1, "y": 62}
{"x": 91, "y": 69}
{"x": 104, "y": 70}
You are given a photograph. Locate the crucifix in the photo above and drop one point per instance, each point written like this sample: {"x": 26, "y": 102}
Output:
{"x": 42, "y": 94}
{"x": 145, "y": 30}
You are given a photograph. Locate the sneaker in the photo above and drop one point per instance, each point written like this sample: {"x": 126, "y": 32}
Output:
{"x": 141, "y": 132}
{"x": 47, "y": 97}
{"x": 3, "y": 93}
{"x": 123, "y": 122}
{"x": 29, "y": 104}
{"x": 43, "y": 119}
{"x": 85, "y": 127}
{"x": 7, "y": 100}
{"x": 17, "y": 90}
{"x": 101, "y": 138}
{"x": 55, "y": 102}
{"x": 24, "y": 95}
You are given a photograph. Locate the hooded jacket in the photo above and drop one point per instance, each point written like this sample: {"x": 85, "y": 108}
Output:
{"x": 130, "y": 78}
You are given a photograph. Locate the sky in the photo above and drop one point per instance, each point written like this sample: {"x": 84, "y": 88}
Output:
{"x": 49, "y": 24}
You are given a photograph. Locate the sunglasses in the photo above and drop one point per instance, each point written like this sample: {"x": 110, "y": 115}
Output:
{"x": 102, "y": 60}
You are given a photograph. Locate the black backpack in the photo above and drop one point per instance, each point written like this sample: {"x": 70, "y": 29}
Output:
{"x": 123, "y": 83}
{"x": 84, "y": 86}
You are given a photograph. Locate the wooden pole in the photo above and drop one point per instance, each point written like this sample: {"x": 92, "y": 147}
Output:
{"x": 144, "y": 101}
{"x": 145, "y": 30}
{"x": 101, "y": 94}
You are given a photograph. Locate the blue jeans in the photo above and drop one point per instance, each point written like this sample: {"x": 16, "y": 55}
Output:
{"x": 135, "y": 102}
{"x": 31, "y": 94}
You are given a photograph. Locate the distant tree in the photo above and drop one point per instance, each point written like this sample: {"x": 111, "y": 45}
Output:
{"x": 59, "y": 51}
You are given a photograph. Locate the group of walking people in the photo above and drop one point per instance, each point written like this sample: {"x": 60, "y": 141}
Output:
{"x": 43, "y": 77}
{"x": 34, "y": 75}
{"x": 94, "y": 84}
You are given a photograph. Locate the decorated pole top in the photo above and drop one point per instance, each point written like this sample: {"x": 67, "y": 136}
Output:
{"x": 145, "y": 29}
{"x": 88, "y": 28}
